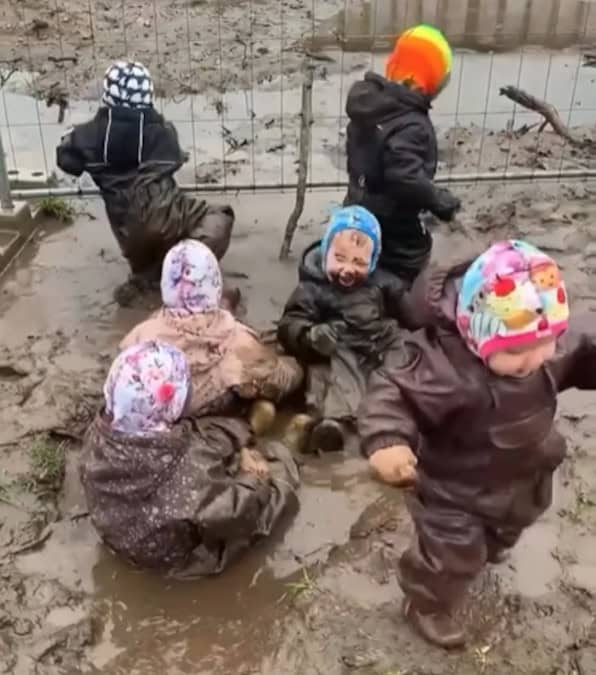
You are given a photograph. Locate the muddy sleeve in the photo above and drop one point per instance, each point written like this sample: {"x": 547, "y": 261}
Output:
{"x": 178, "y": 155}
{"x": 404, "y": 168}
{"x": 386, "y": 417}
{"x": 406, "y": 312}
{"x": 394, "y": 290}
{"x": 301, "y": 313}
{"x": 68, "y": 156}
{"x": 221, "y": 438}
{"x": 576, "y": 368}
{"x": 234, "y": 506}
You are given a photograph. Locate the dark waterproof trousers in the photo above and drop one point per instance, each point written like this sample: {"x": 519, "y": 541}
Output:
{"x": 335, "y": 390}
{"x": 455, "y": 537}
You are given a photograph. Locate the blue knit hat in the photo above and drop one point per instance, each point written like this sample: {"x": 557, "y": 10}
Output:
{"x": 354, "y": 218}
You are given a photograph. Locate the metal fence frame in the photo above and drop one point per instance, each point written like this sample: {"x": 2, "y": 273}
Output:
{"x": 286, "y": 118}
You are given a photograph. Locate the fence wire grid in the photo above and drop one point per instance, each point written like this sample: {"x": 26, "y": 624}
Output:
{"x": 228, "y": 74}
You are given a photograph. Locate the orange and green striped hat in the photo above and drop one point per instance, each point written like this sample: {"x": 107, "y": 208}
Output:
{"x": 422, "y": 56}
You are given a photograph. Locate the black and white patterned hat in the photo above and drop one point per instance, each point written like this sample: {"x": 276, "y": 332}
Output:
{"x": 128, "y": 84}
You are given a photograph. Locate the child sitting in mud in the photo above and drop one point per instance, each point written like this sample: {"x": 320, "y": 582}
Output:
{"x": 169, "y": 494}
{"x": 465, "y": 409}
{"x": 230, "y": 367}
{"x": 392, "y": 148}
{"x": 132, "y": 153}
{"x": 338, "y": 321}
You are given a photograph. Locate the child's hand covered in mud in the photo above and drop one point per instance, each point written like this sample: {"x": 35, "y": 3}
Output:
{"x": 323, "y": 338}
{"x": 395, "y": 465}
{"x": 448, "y": 205}
{"x": 252, "y": 461}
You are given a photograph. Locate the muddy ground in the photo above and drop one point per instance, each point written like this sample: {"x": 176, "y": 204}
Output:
{"x": 190, "y": 45}
{"x": 322, "y": 597}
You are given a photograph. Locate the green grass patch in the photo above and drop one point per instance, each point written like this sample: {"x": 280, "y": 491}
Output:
{"x": 57, "y": 209}
{"x": 48, "y": 460}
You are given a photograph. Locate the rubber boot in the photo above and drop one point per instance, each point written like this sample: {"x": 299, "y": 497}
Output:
{"x": 261, "y": 417}
{"x": 297, "y": 433}
{"x": 438, "y": 628}
{"x": 327, "y": 436}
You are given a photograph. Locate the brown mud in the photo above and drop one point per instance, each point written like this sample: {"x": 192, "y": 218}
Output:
{"x": 190, "y": 45}
{"x": 321, "y": 597}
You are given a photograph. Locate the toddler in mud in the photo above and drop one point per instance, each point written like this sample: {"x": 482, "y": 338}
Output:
{"x": 392, "y": 148}
{"x": 230, "y": 367}
{"x": 132, "y": 153}
{"x": 465, "y": 409}
{"x": 338, "y": 321}
{"x": 169, "y": 494}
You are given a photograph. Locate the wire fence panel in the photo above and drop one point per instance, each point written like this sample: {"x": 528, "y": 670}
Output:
{"x": 228, "y": 74}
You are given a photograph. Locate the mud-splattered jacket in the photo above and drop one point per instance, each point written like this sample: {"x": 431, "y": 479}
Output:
{"x": 366, "y": 314}
{"x": 132, "y": 156}
{"x": 473, "y": 432}
{"x": 392, "y": 160}
{"x": 176, "y": 501}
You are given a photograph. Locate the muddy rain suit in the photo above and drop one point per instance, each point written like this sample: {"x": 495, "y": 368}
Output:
{"x": 392, "y": 160}
{"x": 176, "y": 501}
{"x": 366, "y": 328}
{"x": 132, "y": 156}
{"x": 487, "y": 446}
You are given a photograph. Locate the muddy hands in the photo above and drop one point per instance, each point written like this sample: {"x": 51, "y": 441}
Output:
{"x": 395, "y": 465}
{"x": 252, "y": 461}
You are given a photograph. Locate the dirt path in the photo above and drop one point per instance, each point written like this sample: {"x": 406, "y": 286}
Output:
{"x": 325, "y": 594}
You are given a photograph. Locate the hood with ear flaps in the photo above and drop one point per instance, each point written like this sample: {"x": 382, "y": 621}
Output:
{"x": 353, "y": 218}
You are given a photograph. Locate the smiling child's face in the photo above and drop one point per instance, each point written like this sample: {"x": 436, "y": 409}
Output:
{"x": 524, "y": 361}
{"x": 349, "y": 257}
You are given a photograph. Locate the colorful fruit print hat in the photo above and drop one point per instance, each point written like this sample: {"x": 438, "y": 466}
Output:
{"x": 423, "y": 57}
{"x": 511, "y": 296}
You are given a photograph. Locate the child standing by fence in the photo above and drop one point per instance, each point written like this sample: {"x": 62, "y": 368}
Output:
{"x": 392, "y": 148}
{"x": 132, "y": 154}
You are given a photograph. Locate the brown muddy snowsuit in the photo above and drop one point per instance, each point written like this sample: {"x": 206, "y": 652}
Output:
{"x": 487, "y": 446}
{"x": 367, "y": 316}
{"x": 132, "y": 156}
{"x": 177, "y": 501}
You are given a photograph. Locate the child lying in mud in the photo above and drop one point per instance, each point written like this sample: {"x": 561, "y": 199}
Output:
{"x": 166, "y": 493}
{"x": 338, "y": 321}
{"x": 132, "y": 153}
{"x": 466, "y": 410}
{"x": 392, "y": 148}
{"x": 230, "y": 367}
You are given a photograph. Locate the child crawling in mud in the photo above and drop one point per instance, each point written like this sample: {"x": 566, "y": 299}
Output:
{"x": 339, "y": 323}
{"x": 465, "y": 409}
{"x": 392, "y": 148}
{"x": 132, "y": 153}
{"x": 169, "y": 494}
{"x": 230, "y": 368}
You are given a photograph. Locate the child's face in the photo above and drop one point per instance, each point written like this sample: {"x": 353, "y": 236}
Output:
{"x": 522, "y": 361}
{"x": 349, "y": 257}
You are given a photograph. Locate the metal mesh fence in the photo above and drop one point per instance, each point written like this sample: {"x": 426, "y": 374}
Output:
{"x": 228, "y": 74}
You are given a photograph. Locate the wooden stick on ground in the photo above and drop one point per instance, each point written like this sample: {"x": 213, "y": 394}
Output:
{"x": 306, "y": 121}
{"x": 548, "y": 111}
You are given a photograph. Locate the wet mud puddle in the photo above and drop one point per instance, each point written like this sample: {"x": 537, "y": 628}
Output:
{"x": 228, "y": 623}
